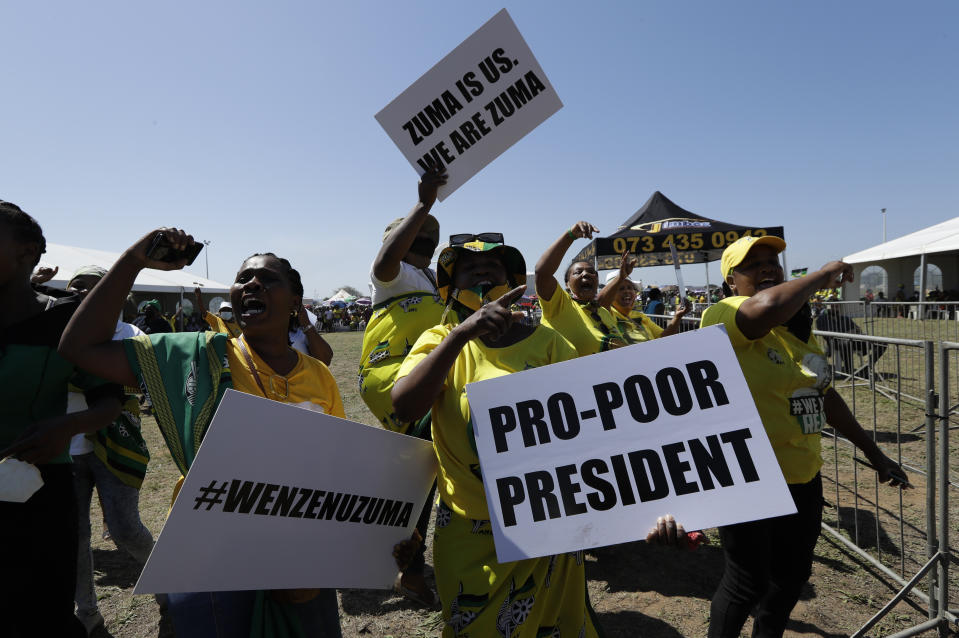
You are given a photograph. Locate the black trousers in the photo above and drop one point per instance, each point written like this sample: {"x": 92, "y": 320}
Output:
{"x": 38, "y": 560}
{"x": 767, "y": 564}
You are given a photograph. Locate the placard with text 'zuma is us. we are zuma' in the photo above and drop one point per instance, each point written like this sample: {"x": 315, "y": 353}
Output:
{"x": 475, "y": 103}
{"x": 589, "y": 452}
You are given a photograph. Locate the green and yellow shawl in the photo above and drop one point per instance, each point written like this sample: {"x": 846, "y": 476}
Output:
{"x": 185, "y": 375}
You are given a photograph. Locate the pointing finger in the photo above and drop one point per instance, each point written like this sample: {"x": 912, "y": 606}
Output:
{"x": 506, "y": 300}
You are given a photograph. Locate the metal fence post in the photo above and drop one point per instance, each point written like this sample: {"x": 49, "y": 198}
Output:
{"x": 944, "y": 479}
{"x": 931, "y": 407}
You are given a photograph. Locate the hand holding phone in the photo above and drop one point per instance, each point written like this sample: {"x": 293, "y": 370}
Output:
{"x": 162, "y": 249}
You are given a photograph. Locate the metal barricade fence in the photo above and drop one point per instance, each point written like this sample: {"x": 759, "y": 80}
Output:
{"x": 930, "y": 320}
{"x": 685, "y": 324}
{"x": 890, "y": 386}
{"x": 882, "y": 380}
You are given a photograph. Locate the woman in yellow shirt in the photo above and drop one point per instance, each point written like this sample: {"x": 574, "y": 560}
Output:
{"x": 634, "y": 325}
{"x": 770, "y": 327}
{"x": 482, "y": 339}
{"x": 581, "y": 315}
{"x": 186, "y": 375}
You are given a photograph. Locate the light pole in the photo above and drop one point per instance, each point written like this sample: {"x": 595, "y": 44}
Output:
{"x": 207, "y": 242}
{"x": 883, "y": 225}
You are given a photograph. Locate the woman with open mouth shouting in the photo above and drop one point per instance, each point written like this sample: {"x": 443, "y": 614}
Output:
{"x": 259, "y": 361}
{"x": 635, "y": 326}
{"x": 770, "y": 327}
{"x": 581, "y": 314}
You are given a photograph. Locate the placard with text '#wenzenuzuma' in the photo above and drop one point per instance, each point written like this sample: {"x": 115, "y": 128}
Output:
{"x": 589, "y": 452}
{"x": 475, "y": 103}
{"x": 281, "y": 497}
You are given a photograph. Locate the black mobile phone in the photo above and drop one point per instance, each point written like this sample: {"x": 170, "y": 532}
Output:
{"x": 162, "y": 250}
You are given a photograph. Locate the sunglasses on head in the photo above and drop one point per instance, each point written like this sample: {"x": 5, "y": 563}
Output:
{"x": 465, "y": 238}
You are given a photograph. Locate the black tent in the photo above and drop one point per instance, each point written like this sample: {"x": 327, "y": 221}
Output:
{"x": 651, "y": 230}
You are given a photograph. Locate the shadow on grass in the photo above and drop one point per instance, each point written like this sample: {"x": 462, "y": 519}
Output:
{"x": 101, "y": 632}
{"x": 670, "y": 572}
{"x": 379, "y": 602}
{"x": 868, "y": 537}
{"x": 115, "y": 568}
{"x": 628, "y": 624}
{"x": 891, "y": 437}
{"x": 808, "y": 628}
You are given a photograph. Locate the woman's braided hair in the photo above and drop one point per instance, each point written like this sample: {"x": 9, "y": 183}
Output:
{"x": 25, "y": 228}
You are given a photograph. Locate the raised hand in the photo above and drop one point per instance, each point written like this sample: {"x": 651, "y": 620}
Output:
{"x": 434, "y": 177}
{"x": 178, "y": 239}
{"x": 44, "y": 274}
{"x": 836, "y": 273}
{"x": 626, "y": 266}
{"x": 583, "y": 229}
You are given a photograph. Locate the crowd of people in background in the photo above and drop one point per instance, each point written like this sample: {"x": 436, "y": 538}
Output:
{"x": 71, "y": 368}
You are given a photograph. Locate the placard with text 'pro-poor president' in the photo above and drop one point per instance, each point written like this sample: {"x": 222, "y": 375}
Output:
{"x": 281, "y": 497}
{"x": 589, "y": 452}
{"x": 475, "y": 103}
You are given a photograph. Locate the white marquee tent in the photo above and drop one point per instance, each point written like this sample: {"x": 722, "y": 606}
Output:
{"x": 901, "y": 257}
{"x": 71, "y": 258}
{"x": 170, "y": 287}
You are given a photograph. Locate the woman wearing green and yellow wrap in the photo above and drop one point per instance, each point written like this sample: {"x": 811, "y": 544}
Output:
{"x": 186, "y": 375}
{"x": 581, "y": 314}
{"x": 635, "y": 326}
{"x": 770, "y": 327}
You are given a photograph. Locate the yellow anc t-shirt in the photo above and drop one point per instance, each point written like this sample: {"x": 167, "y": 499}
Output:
{"x": 309, "y": 385}
{"x": 637, "y": 327}
{"x": 393, "y": 329}
{"x": 787, "y": 378}
{"x": 459, "y": 481}
{"x": 575, "y": 321}
{"x": 217, "y": 324}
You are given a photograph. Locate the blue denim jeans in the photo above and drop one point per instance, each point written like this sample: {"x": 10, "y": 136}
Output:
{"x": 121, "y": 510}
{"x": 227, "y": 614}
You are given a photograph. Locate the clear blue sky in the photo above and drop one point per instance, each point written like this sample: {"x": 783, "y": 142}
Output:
{"x": 251, "y": 123}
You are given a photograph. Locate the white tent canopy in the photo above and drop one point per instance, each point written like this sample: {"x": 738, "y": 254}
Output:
{"x": 903, "y": 258}
{"x": 934, "y": 239}
{"x": 342, "y": 295}
{"x": 69, "y": 259}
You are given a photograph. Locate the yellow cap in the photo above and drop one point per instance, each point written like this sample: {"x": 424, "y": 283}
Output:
{"x": 737, "y": 251}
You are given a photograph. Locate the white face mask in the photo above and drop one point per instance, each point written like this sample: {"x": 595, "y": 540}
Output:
{"x": 226, "y": 315}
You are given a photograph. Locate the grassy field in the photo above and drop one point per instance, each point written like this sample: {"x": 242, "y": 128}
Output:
{"x": 636, "y": 590}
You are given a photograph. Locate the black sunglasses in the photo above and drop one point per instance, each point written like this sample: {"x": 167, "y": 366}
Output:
{"x": 465, "y": 238}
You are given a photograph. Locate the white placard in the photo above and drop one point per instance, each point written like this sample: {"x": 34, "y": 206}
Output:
{"x": 590, "y": 452}
{"x": 472, "y": 105}
{"x": 280, "y": 497}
